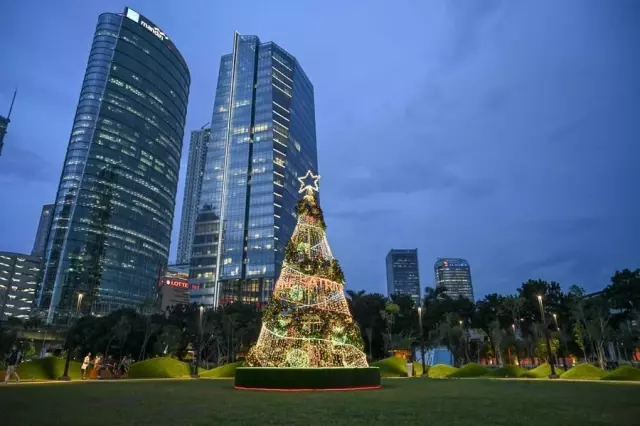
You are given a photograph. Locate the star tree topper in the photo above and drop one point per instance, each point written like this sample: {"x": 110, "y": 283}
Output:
{"x": 309, "y": 183}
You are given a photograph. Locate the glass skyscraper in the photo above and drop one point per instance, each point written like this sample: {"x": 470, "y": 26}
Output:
{"x": 403, "y": 276}
{"x": 454, "y": 275}
{"x": 263, "y": 137}
{"x": 192, "y": 188}
{"x": 46, "y": 216}
{"x": 111, "y": 227}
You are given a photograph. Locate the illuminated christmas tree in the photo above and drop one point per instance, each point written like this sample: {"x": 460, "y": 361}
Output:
{"x": 307, "y": 323}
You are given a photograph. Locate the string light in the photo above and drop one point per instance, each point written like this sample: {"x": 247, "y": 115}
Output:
{"x": 307, "y": 324}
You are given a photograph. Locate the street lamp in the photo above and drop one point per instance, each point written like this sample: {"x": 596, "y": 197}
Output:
{"x": 555, "y": 320}
{"x": 195, "y": 374}
{"x": 546, "y": 335}
{"x": 65, "y": 375}
{"x": 424, "y": 369}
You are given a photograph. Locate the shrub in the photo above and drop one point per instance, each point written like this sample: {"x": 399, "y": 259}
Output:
{"x": 624, "y": 372}
{"x": 440, "y": 371}
{"x": 306, "y": 378}
{"x": 583, "y": 372}
{"x": 471, "y": 370}
{"x": 507, "y": 371}
{"x": 226, "y": 370}
{"x": 159, "y": 368}
{"x": 396, "y": 367}
{"x": 49, "y": 368}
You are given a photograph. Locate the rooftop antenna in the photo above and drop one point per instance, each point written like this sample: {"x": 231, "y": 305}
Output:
{"x": 15, "y": 92}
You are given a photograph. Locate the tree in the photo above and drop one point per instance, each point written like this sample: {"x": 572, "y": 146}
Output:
{"x": 308, "y": 323}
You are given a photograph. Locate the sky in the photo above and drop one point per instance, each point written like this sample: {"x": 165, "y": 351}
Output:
{"x": 503, "y": 132}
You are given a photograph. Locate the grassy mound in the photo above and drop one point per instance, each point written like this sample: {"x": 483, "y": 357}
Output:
{"x": 507, "y": 371}
{"x": 583, "y": 372}
{"x": 624, "y": 372}
{"x": 159, "y": 368}
{"x": 471, "y": 370}
{"x": 440, "y": 371}
{"x": 226, "y": 370}
{"x": 49, "y": 368}
{"x": 542, "y": 371}
{"x": 396, "y": 367}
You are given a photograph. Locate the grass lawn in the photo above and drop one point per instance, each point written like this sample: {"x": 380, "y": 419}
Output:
{"x": 401, "y": 401}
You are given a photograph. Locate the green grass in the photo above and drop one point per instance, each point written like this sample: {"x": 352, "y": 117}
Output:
{"x": 507, "y": 371}
{"x": 542, "y": 371}
{"x": 396, "y": 367}
{"x": 226, "y": 370}
{"x": 402, "y": 402}
{"x": 50, "y": 368}
{"x": 470, "y": 370}
{"x": 624, "y": 372}
{"x": 583, "y": 372}
{"x": 441, "y": 371}
{"x": 159, "y": 368}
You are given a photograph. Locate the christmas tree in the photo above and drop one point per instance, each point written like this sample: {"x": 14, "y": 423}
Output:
{"x": 307, "y": 323}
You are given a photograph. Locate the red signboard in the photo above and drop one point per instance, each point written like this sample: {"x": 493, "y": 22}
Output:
{"x": 172, "y": 282}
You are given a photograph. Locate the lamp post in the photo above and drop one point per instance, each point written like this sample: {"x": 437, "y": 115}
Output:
{"x": 555, "y": 320}
{"x": 424, "y": 369}
{"x": 195, "y": 374}
{"x": 65, "y": 375}
{"x": 546, "y": 335}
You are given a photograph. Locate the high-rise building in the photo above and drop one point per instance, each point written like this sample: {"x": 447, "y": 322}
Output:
{"x": 46, "y": 216}
{"x": 4, "y": 122}
{"x": 263, "y": 137}
{"x": 19, "y": 276}
{"x": 173, "y": 288}
{"x": 192, "y": 187}
{"x": 111, "y": 228}
{"x": 403, "y": 276}
{"x": 454, "y": 275}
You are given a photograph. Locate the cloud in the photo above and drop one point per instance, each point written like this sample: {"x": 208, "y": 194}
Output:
{"x": 25, "y": 164}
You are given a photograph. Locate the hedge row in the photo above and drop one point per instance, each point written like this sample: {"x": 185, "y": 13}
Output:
{"x": 307, "y": 378}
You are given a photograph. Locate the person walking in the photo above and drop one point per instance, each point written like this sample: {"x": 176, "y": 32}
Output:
{"x": 85, "y": 365}
{"x": 14, "y": 358}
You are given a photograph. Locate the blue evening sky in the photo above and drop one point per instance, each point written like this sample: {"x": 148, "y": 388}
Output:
{"x": 503, "y": 132}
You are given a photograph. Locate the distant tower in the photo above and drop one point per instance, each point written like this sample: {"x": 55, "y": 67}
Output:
{"x": 454, "y": 275}
{"x": 4, "y": 122}
{"x": 403, "y": 276}
{"x": 192, "y": 187}
{"x": 44, "y": 225}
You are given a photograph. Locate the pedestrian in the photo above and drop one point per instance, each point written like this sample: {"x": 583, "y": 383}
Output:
{"x": 85, "y": 365}
{"x": 14, "y": 358}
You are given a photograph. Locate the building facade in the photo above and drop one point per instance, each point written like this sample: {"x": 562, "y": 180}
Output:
{"x": 263, "y": 137}
{"x": 19, "y": 277}
{"x": 46, "y": 216}
{"x": 111, "y": 227}
{"x": 454, "y": 276}
{"x": 403, "y": 276}
{"x": 192, "y": 187}
{"x": 173, "y": 288}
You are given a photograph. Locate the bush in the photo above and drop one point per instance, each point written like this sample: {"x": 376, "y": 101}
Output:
{"x": 49, "y": 368}
{"x": 583, "y": 372}
{"x": 507, "y": 371}
{"x": 624, "y": 372}
{"x": 159, "y": 368}
{"x": 396, "y": 367}
{"x": 471, "y": 370}
{"x": 440, "y": 371}
{"x": 306, "y": 378}
{"x": 226, "y": 370}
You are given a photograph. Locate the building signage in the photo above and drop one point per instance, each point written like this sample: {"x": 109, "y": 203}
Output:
{"x": 136, "y": 17}
{"x": 178, "y": 284}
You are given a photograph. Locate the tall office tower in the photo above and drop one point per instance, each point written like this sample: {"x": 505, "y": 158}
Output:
{"x": 263, "y": 137}
{"x": 111, "y": 228}
{"x": 4, "y": 122}
{"x": 454, "y": 275}
{"x": 46, "y": 216}
{"x": 403, "y": 276}
{"x": 192, "y": 187}
{"x": 19, "y": 276}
